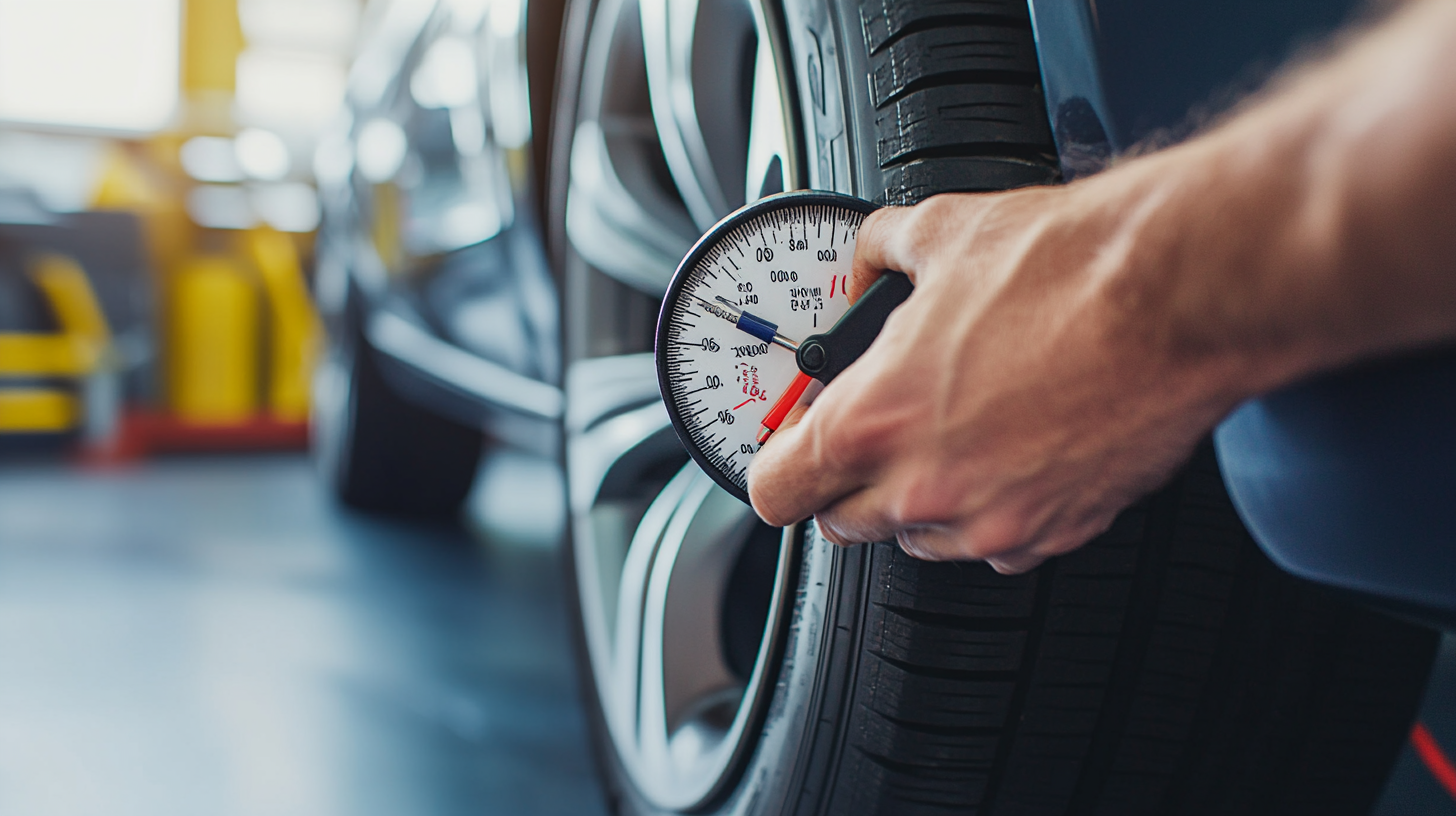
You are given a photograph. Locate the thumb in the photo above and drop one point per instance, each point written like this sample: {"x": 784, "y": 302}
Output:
{"x": 772, "y": 466}
{"x": 877, "y": 249}
{"x": 789, "y": 479}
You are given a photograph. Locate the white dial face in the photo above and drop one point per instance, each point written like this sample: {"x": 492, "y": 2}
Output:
{"x": 788, "y": 267}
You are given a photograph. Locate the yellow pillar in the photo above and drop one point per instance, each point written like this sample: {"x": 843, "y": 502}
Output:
{"x": 215, "y": 341}
{"x": 212, "y": 38}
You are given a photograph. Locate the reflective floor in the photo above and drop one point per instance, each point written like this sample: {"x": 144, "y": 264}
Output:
{"x": 203, "y": 636}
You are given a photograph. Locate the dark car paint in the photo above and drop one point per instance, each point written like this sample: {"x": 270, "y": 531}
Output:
{"x": 495, "y": 299}
{"x": 1350, "y": 478}
{"x": 1118, "y": 72}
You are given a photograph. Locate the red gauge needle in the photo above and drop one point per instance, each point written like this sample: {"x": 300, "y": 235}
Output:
{"x": 781, "y": 409}
{"x": 827, "y": 354}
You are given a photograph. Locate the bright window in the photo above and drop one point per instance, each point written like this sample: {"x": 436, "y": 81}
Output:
{"x": 106, "y": 64}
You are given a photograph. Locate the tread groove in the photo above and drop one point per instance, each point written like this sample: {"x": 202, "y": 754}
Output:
{"x": 984, "y": 76}
{"x": 964, "y": 623}
{"x": 1044, "y": 575}
{"x": 939, "y": 673}
{"x": 925, "y": 24}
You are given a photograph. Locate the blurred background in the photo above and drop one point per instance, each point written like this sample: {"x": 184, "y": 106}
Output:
{"x": 189, "y": 622}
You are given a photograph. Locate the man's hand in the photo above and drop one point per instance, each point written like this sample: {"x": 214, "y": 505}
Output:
{"x": 1004, "y": 413}
{"x": 1065, "y": 348}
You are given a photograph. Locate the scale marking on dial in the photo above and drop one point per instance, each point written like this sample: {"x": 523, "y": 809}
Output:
{"x": 763, "y": 279}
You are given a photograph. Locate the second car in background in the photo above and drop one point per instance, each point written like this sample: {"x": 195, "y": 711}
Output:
{"x": 431, "y": 275}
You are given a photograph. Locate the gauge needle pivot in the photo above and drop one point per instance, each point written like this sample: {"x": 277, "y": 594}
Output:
{"x": 749, "y": 323}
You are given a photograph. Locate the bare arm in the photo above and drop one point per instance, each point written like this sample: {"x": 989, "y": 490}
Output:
{"x": 1066, "y": 348}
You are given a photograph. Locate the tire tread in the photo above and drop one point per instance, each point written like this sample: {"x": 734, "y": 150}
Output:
{"x": 956, "y": 91}
{"x": 1166, "y": 668}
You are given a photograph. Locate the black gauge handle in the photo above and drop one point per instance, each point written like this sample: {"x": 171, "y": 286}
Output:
{"x": 825, "y": 356}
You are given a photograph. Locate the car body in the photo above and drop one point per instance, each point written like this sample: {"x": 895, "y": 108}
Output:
{"x": 429, "y": 231}
{"x": 733, "y": 668}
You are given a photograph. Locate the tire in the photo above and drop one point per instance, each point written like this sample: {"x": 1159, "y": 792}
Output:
{"x": 378, "y": 452}
{"x": 1166, "y": 668}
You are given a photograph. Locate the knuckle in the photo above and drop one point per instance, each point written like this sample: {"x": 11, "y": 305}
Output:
{"x": 932, "y": 215}
{"x": 830, "y": 531}
{"x": 915, "y": 543}
{"x": 995, "y": 533}
{"x": 921, "y": 501}
{"x": 923, "y": 494}
{"x": 1013, "y": 566}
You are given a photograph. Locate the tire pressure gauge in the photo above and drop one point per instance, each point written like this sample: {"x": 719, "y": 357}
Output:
{"x": 757, "y": 309}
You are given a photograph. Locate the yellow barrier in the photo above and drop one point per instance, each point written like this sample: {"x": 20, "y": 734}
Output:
{"x": 74, "y": 303}
{"x": 37, "y": 410}
{"x": 45, "y": 355}
{"x": 74, "y": 352}
{"x": 76, "y": 349}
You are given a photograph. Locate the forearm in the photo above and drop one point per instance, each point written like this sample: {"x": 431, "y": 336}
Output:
{"x": 1314, "y": 228}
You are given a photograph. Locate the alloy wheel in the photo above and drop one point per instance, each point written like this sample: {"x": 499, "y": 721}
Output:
{"x": 683, "y": 114}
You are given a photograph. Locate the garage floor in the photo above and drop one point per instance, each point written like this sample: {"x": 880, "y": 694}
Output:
{"x": 211, "y": 636}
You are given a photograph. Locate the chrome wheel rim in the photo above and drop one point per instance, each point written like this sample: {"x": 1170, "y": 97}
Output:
{"x": 655, "y": 585}
{"x": 667, "y": 140}
{"x": 682, "y": 116}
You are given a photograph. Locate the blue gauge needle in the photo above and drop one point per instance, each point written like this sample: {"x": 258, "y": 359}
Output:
{"x": 749, "y": 323}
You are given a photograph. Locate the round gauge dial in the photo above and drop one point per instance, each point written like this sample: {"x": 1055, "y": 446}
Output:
{"x": 747, "y": 294}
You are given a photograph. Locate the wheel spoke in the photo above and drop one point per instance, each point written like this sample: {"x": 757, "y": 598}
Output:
{"x": 653, "y": 716}
{"x": 686, "y": 601}
{"x": 612, "y": 411}
{"x": 680, "y": 120}
{"x": 653, "y": 604}
{"x": 620, "y": 216}
{"x": 624, "y": 390}
{"x": 770, "y": 167}
{"x": 668, "y": 33}
{"x": 635, "y": 234}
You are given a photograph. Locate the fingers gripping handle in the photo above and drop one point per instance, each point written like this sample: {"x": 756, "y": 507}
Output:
{"x": 825, "y": 356}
